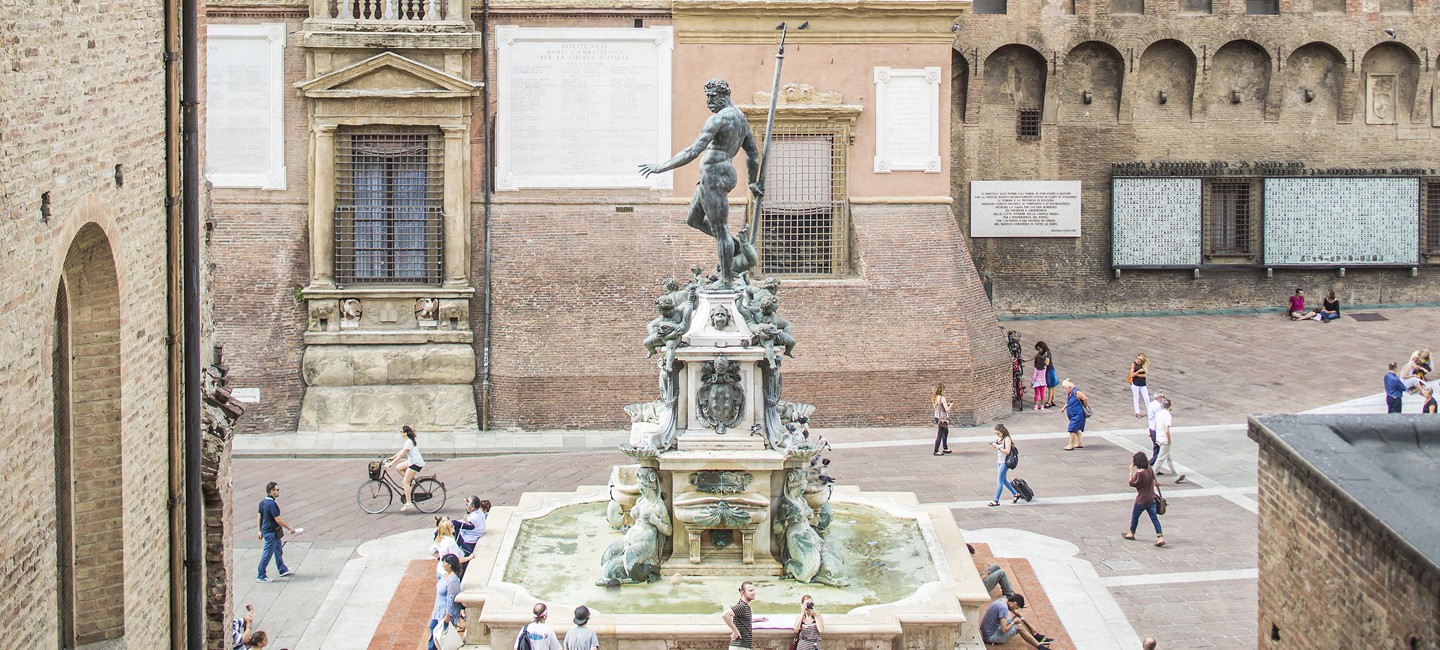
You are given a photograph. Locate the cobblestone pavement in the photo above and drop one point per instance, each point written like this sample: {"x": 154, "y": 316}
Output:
{"x": 1197, "y": 592}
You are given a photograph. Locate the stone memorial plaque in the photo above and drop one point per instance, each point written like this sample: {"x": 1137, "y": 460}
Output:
{"x": 582, "y": 107}
{"x": 246, "y": 395}
{"x": 245, "y": 104}
{"x": 1025, "y": 208}
{"x": 1155, "y": 222}
{"x": 907, "y": 120}
{"x": 1342, "y": 221}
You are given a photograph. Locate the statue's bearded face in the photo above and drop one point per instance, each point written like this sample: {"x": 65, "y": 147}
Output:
{"x": 716, "y": 100}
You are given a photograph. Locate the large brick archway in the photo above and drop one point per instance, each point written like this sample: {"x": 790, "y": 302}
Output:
{"x": 89, "y": 497}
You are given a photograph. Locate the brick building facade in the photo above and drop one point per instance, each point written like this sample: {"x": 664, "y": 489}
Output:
{"x": 574, "y": 273}
{"x": 89, "y": 343}
{"x": 1163, "y": 81}
{"x": 1346, "y": 560}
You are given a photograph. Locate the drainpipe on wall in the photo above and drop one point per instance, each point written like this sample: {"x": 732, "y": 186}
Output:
{"x": 190, "y": 215}
{"x": 173, "y": 317}
{"x": 489, "y": 180}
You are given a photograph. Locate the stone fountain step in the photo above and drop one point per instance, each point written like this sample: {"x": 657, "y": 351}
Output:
{"x": 1038, "y": 609}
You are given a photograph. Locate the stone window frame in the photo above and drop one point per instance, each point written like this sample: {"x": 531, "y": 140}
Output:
{"x": 836, "y": 121}
{"x": 1254, "y": 216}
{"x": 1430, "y": 219}
{"x": 344, "y": 262}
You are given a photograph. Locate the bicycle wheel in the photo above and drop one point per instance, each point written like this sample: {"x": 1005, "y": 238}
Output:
{"x": 429, "y": 495}
{"x": 374, "y": 496}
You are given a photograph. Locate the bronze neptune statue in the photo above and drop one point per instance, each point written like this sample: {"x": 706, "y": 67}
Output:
{"x": 724, "y": 134}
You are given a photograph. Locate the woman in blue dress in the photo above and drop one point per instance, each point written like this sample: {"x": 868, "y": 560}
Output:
{"x": 1076, "y": 405}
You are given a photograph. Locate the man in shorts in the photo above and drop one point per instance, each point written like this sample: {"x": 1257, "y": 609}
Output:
{"x": 1002, "y": 621}
{"x": 738, "y": 618}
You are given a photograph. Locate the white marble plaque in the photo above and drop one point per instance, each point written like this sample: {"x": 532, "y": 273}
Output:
{"x": 582, "y": 107}
{"x": 245, "y": 106}
{"x": 1342, "y": 221}
{"x": 907, "y": 120}
{"x": 1155, "y": 222}
{"x": 1025, "y": 208}
{"x": 246, "y": 395}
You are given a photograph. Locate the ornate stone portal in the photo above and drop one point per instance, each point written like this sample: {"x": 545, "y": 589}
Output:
{"x": 720, "y": 442}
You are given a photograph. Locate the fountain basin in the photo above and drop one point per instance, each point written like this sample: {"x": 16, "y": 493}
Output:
{"x": 913, "y": 584}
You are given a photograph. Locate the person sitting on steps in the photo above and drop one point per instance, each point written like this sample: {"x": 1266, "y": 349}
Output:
{"x": 1002, "y": 621}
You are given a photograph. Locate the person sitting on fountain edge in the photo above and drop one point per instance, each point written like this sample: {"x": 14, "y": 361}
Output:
{"x": 997, "y": 627}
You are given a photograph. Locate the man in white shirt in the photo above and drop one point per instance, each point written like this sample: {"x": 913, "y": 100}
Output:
{"x": 542, "y": 636}
{"x": 1163, "y": 438}
{"x": 1153, "y": 407}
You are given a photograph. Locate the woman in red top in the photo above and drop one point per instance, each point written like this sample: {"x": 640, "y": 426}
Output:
{"x": 1143, "y": 480}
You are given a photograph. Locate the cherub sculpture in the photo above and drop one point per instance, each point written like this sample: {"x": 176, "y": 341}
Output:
{"x": 772, "y": 329}
{"x": 665, "y": 330}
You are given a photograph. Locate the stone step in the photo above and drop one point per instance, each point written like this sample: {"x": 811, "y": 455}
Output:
{"x": 1038, "y": 610}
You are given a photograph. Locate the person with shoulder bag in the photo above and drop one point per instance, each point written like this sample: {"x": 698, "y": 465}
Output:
{"x": 942, "y": 406}
{"x": 808, "y": 626}
{"x": 1146, "y": 497}
{"x": 1004, "y": 450}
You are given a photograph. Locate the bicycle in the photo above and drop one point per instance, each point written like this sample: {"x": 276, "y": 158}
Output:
{"x": 376, "y": 494}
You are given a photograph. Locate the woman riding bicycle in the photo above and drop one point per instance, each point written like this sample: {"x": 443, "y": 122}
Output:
{"x": 409, "y": 457}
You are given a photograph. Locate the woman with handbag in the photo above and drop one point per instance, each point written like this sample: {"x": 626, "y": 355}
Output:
{"x": 942, "y": 419}
{"x": 1041, "y": 361}
{"x": 1146, "y": 498}
{"x": 808, "y": 626}
{"x": 1077, "y": 409}
{"x": 1139, "y": 392}
{"x": 1003, "y": 445}
{"x": 1052, "y": 378}
{"x": 447, "y": 612}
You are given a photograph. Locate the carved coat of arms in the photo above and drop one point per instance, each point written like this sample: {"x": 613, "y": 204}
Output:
{"x": 721, "y": 398}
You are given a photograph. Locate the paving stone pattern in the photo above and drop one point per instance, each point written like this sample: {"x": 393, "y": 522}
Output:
{"x": 1210, "y": 366}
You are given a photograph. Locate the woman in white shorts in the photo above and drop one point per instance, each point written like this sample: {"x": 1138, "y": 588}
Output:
{"x": 408, "y": 457}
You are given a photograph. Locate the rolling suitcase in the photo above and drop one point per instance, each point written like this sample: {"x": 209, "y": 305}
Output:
{"x": 1023, "y": 488}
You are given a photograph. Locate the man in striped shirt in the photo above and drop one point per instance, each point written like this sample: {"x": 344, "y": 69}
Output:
{"x": 738, "y": 618}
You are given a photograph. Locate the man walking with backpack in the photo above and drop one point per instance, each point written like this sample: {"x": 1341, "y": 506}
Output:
{"x": 538, "y": 635}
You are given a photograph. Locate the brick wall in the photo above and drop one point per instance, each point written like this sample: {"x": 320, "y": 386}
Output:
{"x": 1034, "y": 55}
{"x": 1329, "y": 576}
{"x": 83, "y": 91}
{"x": 260, "y": 247}
{"x": 574, "y": 285}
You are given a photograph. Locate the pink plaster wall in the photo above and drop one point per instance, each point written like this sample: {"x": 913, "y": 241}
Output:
{"x": 846, "y": 68}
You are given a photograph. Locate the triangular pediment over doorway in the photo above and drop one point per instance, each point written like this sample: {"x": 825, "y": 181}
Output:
{"x": 388, "y": 75}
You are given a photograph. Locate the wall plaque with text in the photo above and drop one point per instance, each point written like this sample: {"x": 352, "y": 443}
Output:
{"x": 1025, "y": 208}
{"x": 907, "y": 120}
{"x": 1155, "y": 222}
{"x": 582, "y": 107}
{"x": 245, "y": 105}
{"x": 1342, "y": 221}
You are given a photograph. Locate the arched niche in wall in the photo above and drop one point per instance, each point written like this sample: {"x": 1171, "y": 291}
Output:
{"x": 959, "y": 85}
{"x": 1095, "y": 70}
{"x": 1388, "y": 76}
{"x": 1314, "y": 75}
{"x": 1014, "y": 79}
{"x": 1239, "y": 81}
{"x": 1168, "y": 67}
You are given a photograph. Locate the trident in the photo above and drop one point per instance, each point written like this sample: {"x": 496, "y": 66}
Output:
{"x": 754, "y": 223}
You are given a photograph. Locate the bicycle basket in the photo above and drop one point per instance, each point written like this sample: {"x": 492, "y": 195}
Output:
{"x": 375, "y": 466}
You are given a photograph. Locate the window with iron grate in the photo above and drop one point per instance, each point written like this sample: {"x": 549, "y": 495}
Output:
{"x": 805, "y": 214}
{"x": 1230, "y": 219}
{"x": 1262, "y": 7}
{"x": 1027, "y": 126}
{"x": 389, "y": 205}
{"x": 1432, "y": 216}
